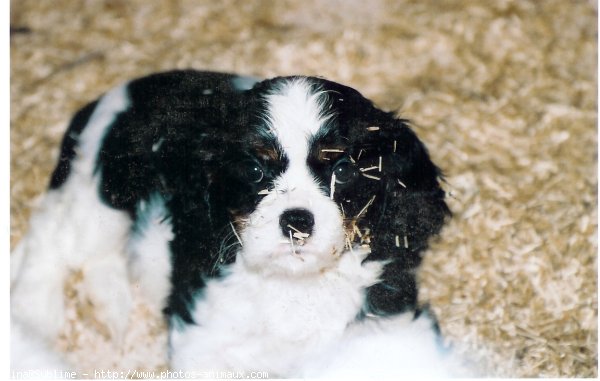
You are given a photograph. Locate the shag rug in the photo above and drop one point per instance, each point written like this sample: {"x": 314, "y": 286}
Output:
{"x": 504, "y": 94}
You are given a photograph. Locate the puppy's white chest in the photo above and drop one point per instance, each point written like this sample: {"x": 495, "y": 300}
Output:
{"x": 301, "y": 312}
{"x": 248, "y": 322}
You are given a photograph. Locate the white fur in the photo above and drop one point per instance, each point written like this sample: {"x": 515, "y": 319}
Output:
{"x": 29, "y": 352}
{"x": 295, "y": 113}
{"x": 93, "y": 134}
{"x": 74, "y": 230}
{"x": 294, "y": 116}
{"x": 149, "y": 252}
{"x": 397, "y": 348}
{"x": 248, "y": 321}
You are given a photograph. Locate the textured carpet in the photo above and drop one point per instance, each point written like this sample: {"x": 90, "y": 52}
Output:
{"x": 504, "y": 93}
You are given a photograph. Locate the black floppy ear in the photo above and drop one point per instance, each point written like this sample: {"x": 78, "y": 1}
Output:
{"x": 409, "y": 210}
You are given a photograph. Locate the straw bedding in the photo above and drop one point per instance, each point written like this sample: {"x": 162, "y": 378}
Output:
{"x": 502, "y": 92}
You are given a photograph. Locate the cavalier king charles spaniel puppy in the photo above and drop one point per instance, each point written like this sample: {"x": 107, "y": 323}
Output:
{"x": 278, "y": 223}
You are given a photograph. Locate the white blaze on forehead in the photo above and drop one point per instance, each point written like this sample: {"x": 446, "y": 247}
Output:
{"x": 295, "y": 113}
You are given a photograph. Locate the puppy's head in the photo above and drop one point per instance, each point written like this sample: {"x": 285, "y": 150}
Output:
{"x": 323, "y": 170}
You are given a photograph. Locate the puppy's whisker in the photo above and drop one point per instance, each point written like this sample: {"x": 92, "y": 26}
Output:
{"x": 226, "y": 251}
{"x": 236, "y": 234}
{"x": 224, "y": 246}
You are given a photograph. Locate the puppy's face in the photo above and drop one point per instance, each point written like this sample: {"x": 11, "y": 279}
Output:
{"x": 323, "y": 170}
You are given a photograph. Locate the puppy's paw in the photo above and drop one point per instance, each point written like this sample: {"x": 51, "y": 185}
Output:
{"x": 353, "y": 266}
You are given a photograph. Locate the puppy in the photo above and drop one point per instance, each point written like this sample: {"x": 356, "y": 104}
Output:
{"x": 272, "y": 220}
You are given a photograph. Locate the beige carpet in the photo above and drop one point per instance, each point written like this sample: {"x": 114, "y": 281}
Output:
{"x": 502, "y": 92}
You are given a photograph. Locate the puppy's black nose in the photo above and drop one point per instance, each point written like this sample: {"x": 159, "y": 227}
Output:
{"x": 296, "y": 219}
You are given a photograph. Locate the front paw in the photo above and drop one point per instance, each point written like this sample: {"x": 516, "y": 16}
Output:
{"x": 353, "y": 266}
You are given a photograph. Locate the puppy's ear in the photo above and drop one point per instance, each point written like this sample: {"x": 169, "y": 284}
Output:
{"x": 410, "y": 209}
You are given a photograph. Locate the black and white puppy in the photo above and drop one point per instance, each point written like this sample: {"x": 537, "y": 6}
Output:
{"x": 279, "y": 224}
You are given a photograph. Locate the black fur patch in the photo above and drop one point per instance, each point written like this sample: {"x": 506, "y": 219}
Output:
{"x": 408, "y": 205}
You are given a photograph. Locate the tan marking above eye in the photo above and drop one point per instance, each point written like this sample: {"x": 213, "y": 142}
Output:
{"x": 238, "y": 218}
{"x": 267, "y": 154}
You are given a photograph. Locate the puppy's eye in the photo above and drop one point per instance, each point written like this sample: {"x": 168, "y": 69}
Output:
{"x": 344, "y": 172}
{"x": 255, "y": 174}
